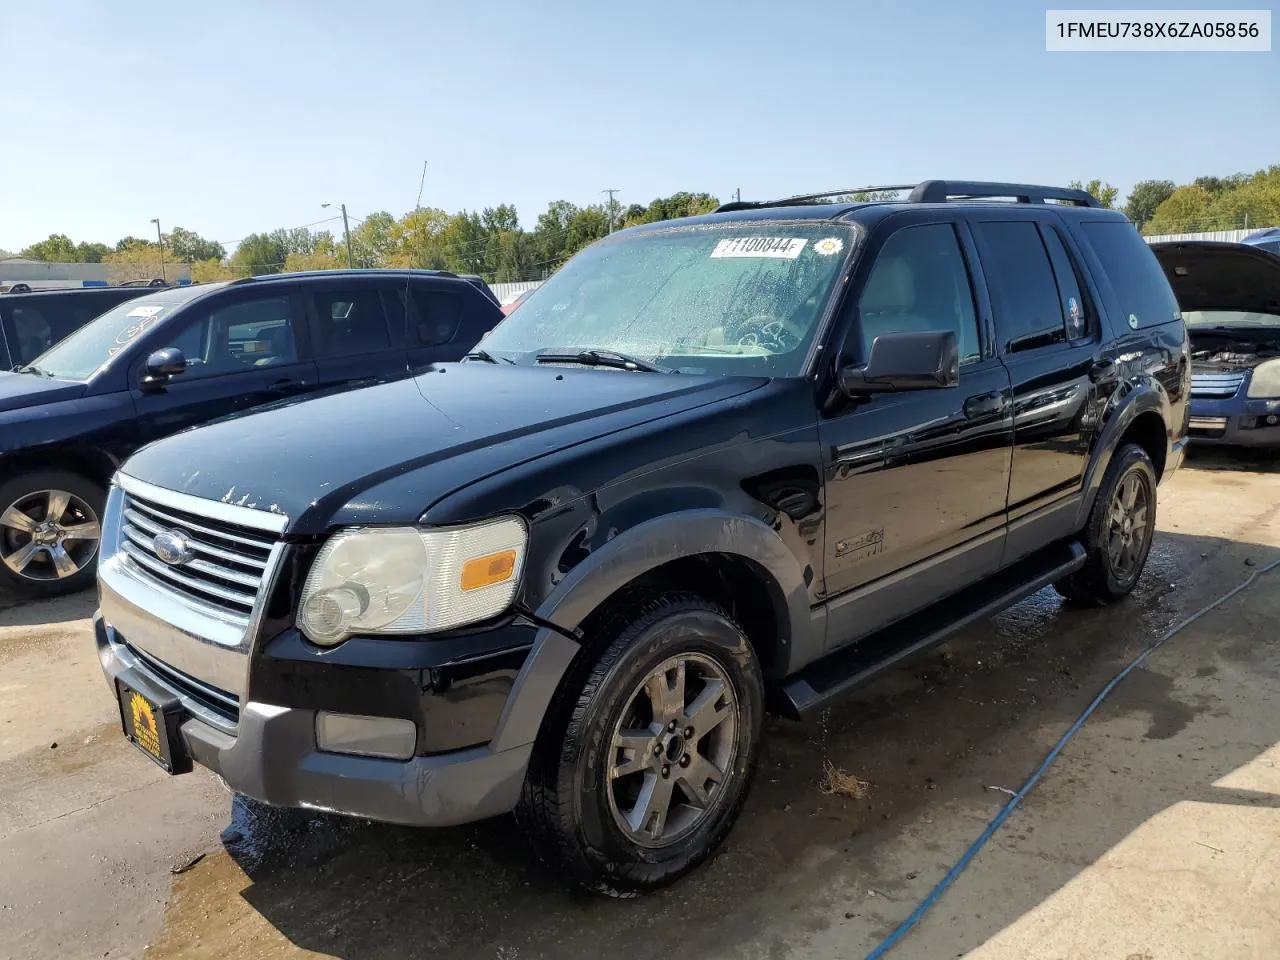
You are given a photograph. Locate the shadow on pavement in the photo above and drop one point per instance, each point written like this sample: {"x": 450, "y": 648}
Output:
{"x": 78, "y": 606}
{"x": 939, "y": 730}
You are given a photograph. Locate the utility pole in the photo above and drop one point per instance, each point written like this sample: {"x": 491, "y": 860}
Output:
{"x": 346, "y": 232}
{"x": 737, "y": 194}
{"x": 160, "y": 244}
{"x": 611, "y": 192}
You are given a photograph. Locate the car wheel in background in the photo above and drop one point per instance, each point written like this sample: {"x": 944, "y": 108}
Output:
{"x": 50, "y": 526}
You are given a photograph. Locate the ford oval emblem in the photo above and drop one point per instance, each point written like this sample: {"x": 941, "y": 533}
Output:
{"x": 172, "y": 547}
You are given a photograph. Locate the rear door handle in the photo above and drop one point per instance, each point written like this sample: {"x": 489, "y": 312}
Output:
{"x": 983, "y": 405}
{"x": 286, "y": 386}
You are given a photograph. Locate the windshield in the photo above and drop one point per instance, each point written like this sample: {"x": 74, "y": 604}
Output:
{"x": 729, "y": 300}
{"x": 1229, "y": 318}
{"x": 90, "y": 348}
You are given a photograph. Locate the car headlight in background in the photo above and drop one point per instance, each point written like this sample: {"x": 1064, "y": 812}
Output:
{"x": 1265, "y": 381}
{"x": 406, "y": 580}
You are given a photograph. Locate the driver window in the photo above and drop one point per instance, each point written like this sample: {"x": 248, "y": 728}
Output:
{"x": 238, "y": 337}
{"x": 920, "y": 282}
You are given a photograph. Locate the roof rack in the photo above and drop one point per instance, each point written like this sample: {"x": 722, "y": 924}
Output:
{"x": 349, "y": 271}
{"x": 937, "y": 191}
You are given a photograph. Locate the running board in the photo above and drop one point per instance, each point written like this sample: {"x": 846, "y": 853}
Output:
{"x": 847, "y": 669}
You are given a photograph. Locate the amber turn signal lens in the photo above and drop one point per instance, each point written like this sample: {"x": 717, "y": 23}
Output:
{"x": 488, "y": 570}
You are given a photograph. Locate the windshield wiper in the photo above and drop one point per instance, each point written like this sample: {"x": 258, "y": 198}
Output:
{"x": 604, "y": 358}
{"x": 38, "y": 371}
{"x": 487, "y": 357}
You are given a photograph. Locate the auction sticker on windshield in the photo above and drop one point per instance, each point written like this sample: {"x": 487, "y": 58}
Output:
{"x": 778, "y": 248}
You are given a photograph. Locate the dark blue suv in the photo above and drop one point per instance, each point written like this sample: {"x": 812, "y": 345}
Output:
{"x": 174, "y": 358}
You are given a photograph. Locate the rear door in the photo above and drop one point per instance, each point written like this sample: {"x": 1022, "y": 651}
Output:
{"x": 358, "y": 327}
{"x": 446, "y": 321}
{"x": 1049, "y": 337}
{"x": 243, "y": 349}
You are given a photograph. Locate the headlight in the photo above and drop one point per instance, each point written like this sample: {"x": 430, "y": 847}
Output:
{"x": 1265, "y": 381}
{"x": 406, "y": 580}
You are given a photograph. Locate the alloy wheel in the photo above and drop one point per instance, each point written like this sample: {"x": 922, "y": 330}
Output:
{"x": 48, "y": 535}
{"x": 1127, "y": 533}
{"x": 673, "y": 750}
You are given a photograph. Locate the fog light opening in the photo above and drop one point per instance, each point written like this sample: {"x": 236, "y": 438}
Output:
{"x": 389, "y": 738}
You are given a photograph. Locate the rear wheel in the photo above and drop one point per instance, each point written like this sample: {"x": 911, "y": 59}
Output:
{"x": 1118, "y": 536}
{"x": 647, "y": 754}
{"x": 50, "y": 525}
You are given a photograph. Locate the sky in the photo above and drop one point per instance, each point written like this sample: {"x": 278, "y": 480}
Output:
{"x": 240, "y": 117}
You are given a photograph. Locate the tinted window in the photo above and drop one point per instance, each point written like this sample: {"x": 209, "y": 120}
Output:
{"x": 1070, "y": 299}
{"x": 920, "y": 282}
{"x": 1021, "y": 282}
{"x": 1134, "y": 272}
{"x": 351, "y": 322}
{"x": 438, "y": 316}
{"x": 238, "y": 337}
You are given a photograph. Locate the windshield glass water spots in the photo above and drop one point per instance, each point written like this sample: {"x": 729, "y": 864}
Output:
{"x": 90, "y": 348}
{"x": 729, "y": 300}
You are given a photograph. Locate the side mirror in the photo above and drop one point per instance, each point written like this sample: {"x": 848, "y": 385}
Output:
{"x": 165, "y": 364}
{"x": 905, "y": 361}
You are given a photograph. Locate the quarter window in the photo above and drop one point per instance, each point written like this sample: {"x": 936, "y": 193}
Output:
{"x": 438, "y": 316}
{"x": 920, "y": 282}
{"x": 1134, "y": 272}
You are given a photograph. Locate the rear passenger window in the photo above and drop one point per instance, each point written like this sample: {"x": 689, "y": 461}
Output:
{"x": 1022, "y": 285}
{"x": 439, "y": 314}
{"x": 1135, "y": 274}
{"x": 920, "y": 282}
{"x": 1070, "y": 298}
{"x": 351, "y": 322}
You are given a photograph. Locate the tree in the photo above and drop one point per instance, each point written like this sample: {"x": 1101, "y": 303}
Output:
{"x": 57, "y": 249}
{"x": 208, "y": 271}
{"x": 1186, "y": 210}
{"x": 372, "y": 241}
{"x": 1145, "y": 197}
{"x": 1253, "y": 201}
{"x": 415, "y": 240}
{"x": 682, "y": 204}
{"x": 141, "y": 261}
{"x": 551, "y": 232}
{"x": 260, "y": 253}
{"x": 188, "y": 246}
{"x": 1104, "y": 193}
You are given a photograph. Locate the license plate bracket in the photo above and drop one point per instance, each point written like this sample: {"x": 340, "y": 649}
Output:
{"x": 152, "y": 727}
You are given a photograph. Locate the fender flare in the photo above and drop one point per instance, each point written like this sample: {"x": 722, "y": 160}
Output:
{"x": 644, "y": 547}
{"x": 1140, "y": 399}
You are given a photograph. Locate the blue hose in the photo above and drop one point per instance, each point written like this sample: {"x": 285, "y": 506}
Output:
{"x": 936, "y": 893}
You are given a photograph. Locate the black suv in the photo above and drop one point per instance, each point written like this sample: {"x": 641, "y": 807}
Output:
{"x": 713, "y": 466}
{"x": 172, "y": 358}
{"x": 31, "y": 323}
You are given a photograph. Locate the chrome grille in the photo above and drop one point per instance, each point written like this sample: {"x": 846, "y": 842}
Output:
{"x": 229, "y": 561}
{"x": 1216, "y": 385}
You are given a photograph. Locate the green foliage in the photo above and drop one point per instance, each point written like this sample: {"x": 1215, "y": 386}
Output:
{"x": 57, "y": 249}
{"x": 1104, "y": 193}
{"x": 1220, "y": 203}
{"x": 1145, "y": 198}
{"x": 188, "y": 246}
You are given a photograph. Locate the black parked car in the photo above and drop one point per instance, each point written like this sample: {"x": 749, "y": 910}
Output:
{"x": 31, "y": 323}
{"x": 1230, "y": 298}
{"x": 744, "y": 460}
{"x": 180, "y": 356}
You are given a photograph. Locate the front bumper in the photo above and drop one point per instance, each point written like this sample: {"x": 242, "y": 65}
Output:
{"x": 271, "y": 755}
{"x": 1235, "y": 422}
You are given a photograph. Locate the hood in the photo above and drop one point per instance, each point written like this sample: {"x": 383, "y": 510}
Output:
{"x": 1221, "y": 276}
{"x": 19, "y": 390}
{"x": 451, "y": 427}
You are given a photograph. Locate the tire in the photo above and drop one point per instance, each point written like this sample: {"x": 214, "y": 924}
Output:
{"x": 1116, "y": 550}
{"x": 588, "y": 815}
{"x": 31, "y": 570}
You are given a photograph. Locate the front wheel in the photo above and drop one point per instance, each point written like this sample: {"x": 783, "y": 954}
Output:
{"x": 50, "y": 525}
{"x": 1118, "y": 536}
{"x": 647, "y": 754}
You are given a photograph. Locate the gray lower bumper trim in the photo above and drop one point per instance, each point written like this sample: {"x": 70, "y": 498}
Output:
{"x": 272, "y": 757}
